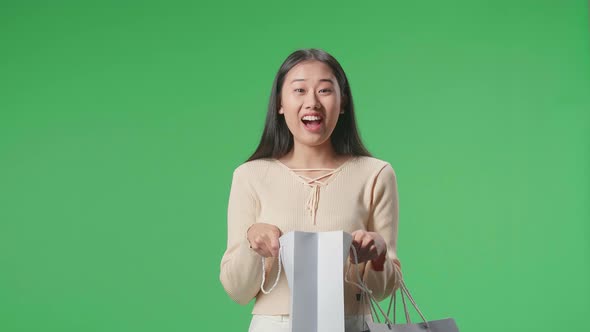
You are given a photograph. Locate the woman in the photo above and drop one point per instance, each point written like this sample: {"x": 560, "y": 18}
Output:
{"x": 310, "y": 172}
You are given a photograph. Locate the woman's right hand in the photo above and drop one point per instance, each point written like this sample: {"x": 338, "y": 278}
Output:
{"x": 264, "y": 239}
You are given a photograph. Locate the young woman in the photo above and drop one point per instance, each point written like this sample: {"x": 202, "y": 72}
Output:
{"x": 310, "y": 173}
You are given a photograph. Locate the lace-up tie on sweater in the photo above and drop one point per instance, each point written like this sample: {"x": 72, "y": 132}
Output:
{"x": 315, "y": 183}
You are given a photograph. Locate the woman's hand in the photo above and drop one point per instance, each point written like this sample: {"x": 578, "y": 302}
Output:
{"x": 264, "y": 239}
{"x": 368, "y": 245}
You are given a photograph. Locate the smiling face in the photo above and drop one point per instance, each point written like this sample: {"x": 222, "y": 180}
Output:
{"x": 310, "y": 102}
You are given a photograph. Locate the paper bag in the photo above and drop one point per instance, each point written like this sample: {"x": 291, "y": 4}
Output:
{"x": 440, "y": 325}
{"x": 314, "y": 265}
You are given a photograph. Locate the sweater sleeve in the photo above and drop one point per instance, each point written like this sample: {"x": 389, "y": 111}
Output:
{"x": 240, "y": 271}
{"x": 379, "y": 275}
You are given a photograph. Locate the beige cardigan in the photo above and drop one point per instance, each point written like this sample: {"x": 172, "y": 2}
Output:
{"x": 361, "y": 194}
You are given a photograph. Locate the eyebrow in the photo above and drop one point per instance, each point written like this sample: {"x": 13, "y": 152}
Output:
{"x": 321, "y": 80}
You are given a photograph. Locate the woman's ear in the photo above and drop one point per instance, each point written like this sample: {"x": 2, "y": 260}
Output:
{"x": 280, "y": 102}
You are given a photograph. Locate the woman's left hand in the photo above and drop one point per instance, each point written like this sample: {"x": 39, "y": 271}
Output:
{"x": 368, "y": 245}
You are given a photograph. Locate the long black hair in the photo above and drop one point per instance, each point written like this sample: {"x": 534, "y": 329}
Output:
{"x": 277, "y": 140}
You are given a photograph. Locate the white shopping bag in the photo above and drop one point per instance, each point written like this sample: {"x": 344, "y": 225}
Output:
{"x": 314, "y": 265}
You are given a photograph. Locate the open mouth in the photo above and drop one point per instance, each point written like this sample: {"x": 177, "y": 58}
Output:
{"x": 312, "y": 122}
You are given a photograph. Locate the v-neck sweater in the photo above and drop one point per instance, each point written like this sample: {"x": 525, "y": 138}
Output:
{"x": 359, "y": 194}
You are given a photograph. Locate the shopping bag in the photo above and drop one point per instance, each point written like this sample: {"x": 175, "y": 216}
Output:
{"x": 441, "y": 325}
{"x": 314, "y": 266}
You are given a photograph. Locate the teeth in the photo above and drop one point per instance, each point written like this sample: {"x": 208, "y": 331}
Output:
{"x": 311, "y": 118}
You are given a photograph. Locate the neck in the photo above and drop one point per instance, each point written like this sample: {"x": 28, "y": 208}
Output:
{"x": 304, "y": 156}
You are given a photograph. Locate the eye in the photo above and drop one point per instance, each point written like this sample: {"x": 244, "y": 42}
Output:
{"x": 297, "y": 90}
{"x": 327, "y": 90}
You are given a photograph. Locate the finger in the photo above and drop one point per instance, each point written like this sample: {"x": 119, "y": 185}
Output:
{"x": 255, "y": 243}
{"x": 267, "y": 252}
{"x": 274, "y": 247}
{"x": 360, "y": 255}
{"x": 357, "y": 238}
{"x": 369, "y": 252}
{"x": 373, "y": 252}
{"x": 362, "y": 259}
{"x": 367, "y": 241}
{"x": 262, "y": 247}
{"x": 260, "y": 252}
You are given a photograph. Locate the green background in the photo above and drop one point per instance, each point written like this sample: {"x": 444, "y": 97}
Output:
{"x": 121, "y": 124}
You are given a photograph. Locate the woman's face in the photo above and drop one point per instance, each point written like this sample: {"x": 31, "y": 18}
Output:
{"x": 310, "y": 102}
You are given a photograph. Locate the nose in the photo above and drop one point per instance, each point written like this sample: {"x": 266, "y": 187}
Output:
{"x": 311, "y": 101}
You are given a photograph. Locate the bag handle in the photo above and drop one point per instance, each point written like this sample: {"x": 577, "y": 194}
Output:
{"x": 365, "y": 291}
{"x": 404, "y": 291}
{"x": 374, "y": 303}
{"x": 361, "y": 285}
{"x": 393, "y": 297}
{"x": 264, "y": 273}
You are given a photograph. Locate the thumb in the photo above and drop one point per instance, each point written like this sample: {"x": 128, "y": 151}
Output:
{"x": 274, "y": 247}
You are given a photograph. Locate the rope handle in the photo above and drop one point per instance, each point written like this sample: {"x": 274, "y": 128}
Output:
{"x": 361, "y": 285}
{"x": 373, "y": 301}
{"x": 264, "y": 273}
{"x": 404, "y": 291}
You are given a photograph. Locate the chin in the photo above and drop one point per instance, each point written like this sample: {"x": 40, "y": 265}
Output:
{"x": 313, "y": 142}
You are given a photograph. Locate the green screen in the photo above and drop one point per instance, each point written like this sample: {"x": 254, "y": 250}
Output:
{"x": 121, "y": 124}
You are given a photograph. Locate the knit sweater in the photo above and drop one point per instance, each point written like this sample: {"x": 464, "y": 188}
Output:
{"x": 359, "y": 194}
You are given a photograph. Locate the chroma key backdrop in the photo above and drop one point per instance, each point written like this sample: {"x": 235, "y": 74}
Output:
{"x": 121, "y": 123}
